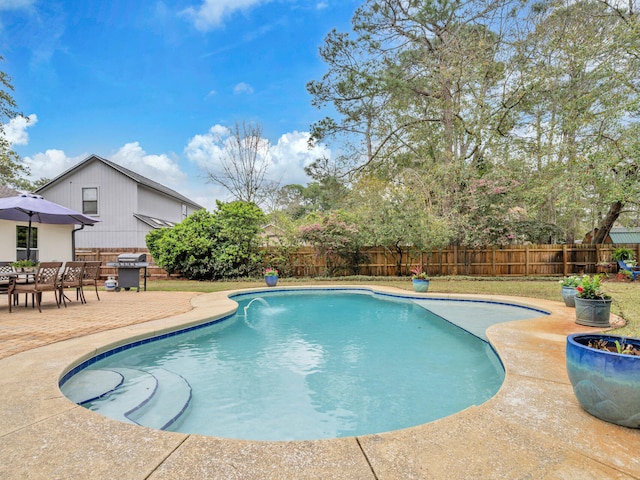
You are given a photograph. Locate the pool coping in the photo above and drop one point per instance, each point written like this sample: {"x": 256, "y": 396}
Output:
{"x": 532, "y": 428}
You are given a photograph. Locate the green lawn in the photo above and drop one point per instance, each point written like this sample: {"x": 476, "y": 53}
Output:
{"x": 626, "y": 295}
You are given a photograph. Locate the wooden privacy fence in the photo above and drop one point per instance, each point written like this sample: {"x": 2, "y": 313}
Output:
{"x": 109, "y": 255}
{"x": 513, "y": 260}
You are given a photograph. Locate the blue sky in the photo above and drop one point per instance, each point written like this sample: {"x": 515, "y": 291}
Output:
{"x": 151, "y": 84}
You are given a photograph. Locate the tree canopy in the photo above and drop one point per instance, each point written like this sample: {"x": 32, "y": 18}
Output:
{"x": 505, "y": 121}
{"x": 13, "y": 172}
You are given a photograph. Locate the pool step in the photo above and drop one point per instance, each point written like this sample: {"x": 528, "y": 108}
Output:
{"x": 89, "y": 385}
{"x": 169, "y": 402}
{"x": 136, "y": 390}
{"x": 154, "y": 398}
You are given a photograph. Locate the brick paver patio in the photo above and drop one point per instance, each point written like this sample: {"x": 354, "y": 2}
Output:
{"x": 26, "y": 328}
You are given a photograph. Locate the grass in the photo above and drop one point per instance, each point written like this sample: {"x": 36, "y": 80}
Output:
{"x": 626, "y": 295}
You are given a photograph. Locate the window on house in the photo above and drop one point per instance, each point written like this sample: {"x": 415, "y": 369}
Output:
{"x": 90, "y": 201}
{"x": 22, "y": 236}
{"x": 184, "y": 211}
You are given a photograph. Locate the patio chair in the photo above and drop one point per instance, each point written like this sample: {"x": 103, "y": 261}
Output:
{"x": 72, "y": 277}
{"x": 5, "y": 267}
{"x": 46, "y": 280}
{"x": 635, "y": 271}
{"x": 91, "y": 275}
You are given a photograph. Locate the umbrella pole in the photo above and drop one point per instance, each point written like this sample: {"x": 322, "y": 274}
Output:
{"x": 29, "y": 239}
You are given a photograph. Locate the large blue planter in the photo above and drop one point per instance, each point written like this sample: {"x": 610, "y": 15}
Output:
{"x": 420, "y": 285}
{"x": 606, "y": 384}
{"x": 271, "y": 280}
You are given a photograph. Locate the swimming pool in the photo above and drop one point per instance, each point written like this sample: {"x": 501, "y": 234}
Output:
{"x": 350, "y": 363}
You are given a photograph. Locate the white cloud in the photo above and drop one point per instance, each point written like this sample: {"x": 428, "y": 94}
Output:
{"x": 211, "y": 14}
{"x": 16, "y": 4}
{"x": 51, "y": 163}
{"x": 205, "y": 150}
{"x": 287, "y": 157}
{"x": 159, "y": 168}
{"x": 16, "y": 130}
{"x": 243, "y": 88}
{"x": 291, "y": 154}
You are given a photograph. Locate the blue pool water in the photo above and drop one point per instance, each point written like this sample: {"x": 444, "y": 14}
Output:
{"x": 298, "y": 366}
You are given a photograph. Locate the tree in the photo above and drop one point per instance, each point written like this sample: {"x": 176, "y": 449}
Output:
{"x": 13, "y": 172}
{"x": 393, "y": 216}
{"x": 419, "y": 85}
{"x": 243, "y": 161}
{"x": 580, "y": 81}
{"x": 335, "y": 238}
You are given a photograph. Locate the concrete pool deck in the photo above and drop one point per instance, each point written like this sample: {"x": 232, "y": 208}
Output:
{"x": 532, "y": 429}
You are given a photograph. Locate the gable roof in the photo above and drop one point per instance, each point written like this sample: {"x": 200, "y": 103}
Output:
{"x": 136, "y": 177}
{"x": 625, "y": 235}
{"x": 7, "y": 192}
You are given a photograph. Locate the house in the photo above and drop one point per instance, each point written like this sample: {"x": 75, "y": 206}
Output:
{"x": 617, "y": 235}
{"x": 49, "y": 242}
{"x": 127, "y": 204}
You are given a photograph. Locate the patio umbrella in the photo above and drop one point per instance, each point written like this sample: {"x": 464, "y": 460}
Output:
{"x": 29, "y": 207}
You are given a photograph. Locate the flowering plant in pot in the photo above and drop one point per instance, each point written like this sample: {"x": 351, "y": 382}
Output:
{"x": 270, "y": 276}
{"x": 419, "y": 279}
{"x": 604, "y": 371}
{"x": 270, "y": 272}
{"x": 593, "y": 305}
{"x": 569, "y": 289}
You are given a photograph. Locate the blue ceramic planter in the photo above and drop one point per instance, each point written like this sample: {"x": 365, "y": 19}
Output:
{"x": 420, "y": 285}
{"x": 606, "y": 384}
{"x": 271, "y": 280}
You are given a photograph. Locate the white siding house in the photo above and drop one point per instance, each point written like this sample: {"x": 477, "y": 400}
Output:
{"x": 127, "y": 204}
{"x": 54, "y": 242}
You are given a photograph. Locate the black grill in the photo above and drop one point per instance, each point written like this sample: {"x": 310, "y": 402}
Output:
{"x": 129, "y": 265}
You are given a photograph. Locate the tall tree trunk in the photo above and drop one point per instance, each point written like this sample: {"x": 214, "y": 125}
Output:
{"x": 607, "y": 222}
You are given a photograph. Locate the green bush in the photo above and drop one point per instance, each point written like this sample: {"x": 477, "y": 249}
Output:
{"x": 211, "y": 246}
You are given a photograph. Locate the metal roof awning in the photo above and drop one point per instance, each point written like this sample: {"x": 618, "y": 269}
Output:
{"x": 154, "y": 222}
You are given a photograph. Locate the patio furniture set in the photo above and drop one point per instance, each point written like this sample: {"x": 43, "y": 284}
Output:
{"x": 49, "y": 277}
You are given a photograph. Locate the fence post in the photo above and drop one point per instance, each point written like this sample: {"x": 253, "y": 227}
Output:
{"x": 455, "y": 260}
{"x": 565, "y": 266}
{"x": 526, "y": 261}
{"x": 493, "y": 261}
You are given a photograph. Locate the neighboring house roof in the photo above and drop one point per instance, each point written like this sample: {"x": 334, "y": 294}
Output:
{"x": 136, "y": 177}
{"x": 7, "y": 192}
{"x": 624, "y": 235}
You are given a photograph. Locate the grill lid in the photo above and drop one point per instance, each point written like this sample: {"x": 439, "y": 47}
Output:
{"x": 132, "y": 257}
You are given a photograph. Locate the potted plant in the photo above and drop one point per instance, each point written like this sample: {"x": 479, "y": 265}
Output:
{"x": 419, "y": 279}
{"x": 569, "y": 289}
{"x": 25, "y": 266}
{"x": 624, "y": 274}
{"x": 271, "y": 276}
{"x": 604, "y": 371}
{"x": 623, "y": 253}
{"x": 593, "y": 306}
